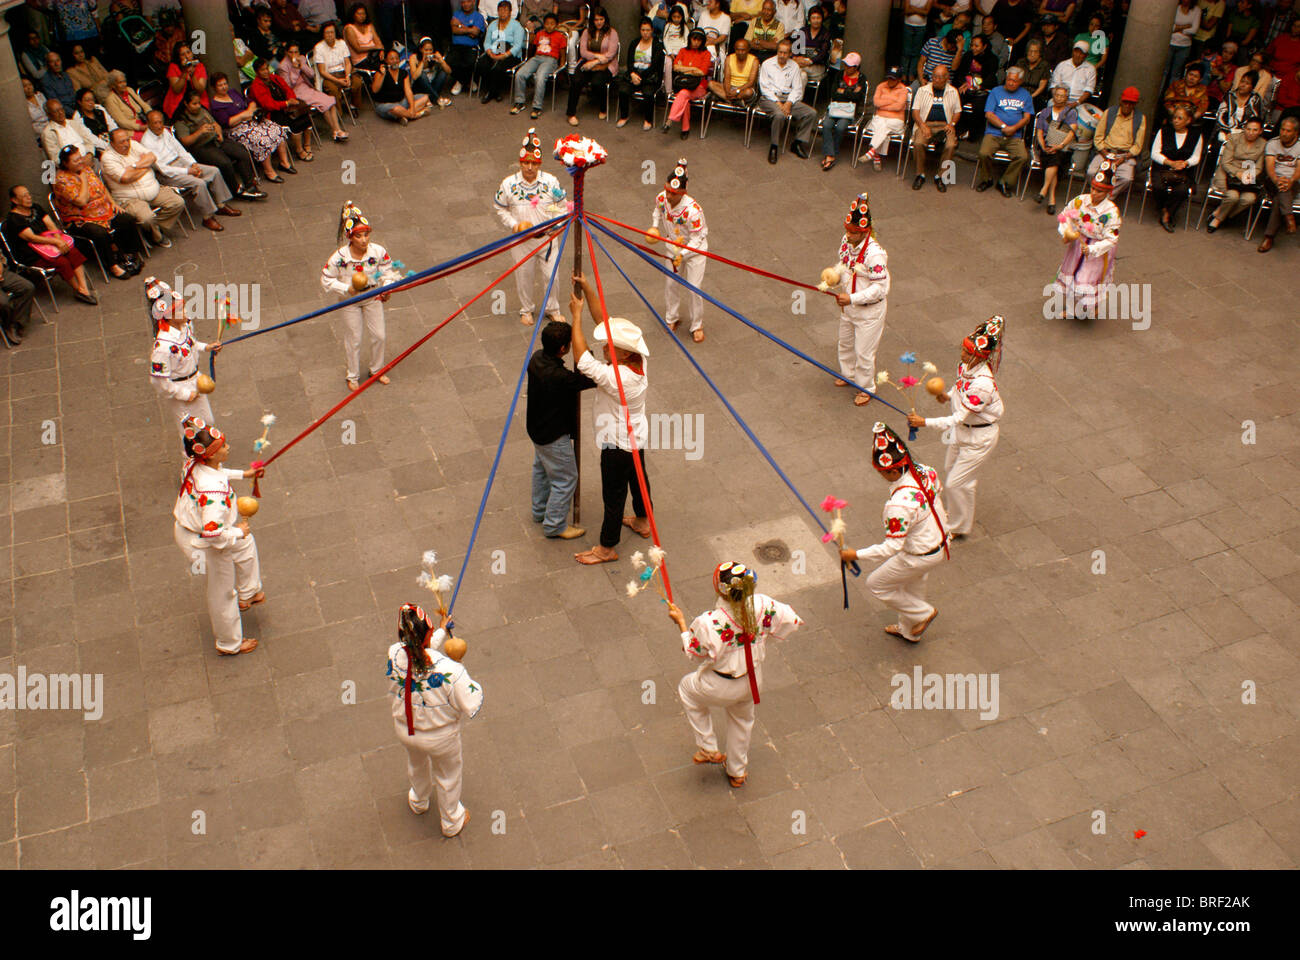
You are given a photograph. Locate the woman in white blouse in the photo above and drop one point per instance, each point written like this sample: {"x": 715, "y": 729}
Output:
{"x": 1175, "y": 153}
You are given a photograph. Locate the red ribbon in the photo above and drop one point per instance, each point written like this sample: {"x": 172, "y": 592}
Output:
{"x": 410, "y": 716}
{"x": 746, "y": 639}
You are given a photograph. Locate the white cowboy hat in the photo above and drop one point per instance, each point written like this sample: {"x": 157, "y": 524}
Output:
{"x": 627, "y": 335}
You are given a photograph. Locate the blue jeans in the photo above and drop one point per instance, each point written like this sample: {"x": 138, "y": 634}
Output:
{"x": 833, "y": 130}
{"x": 1177, "y": 58}
{"x": 539, "y": 68}
{"x": 913, "y": 41}
{"x": 555, "y": 478}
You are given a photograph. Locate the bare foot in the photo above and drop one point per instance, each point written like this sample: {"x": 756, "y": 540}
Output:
{"x": 597, "y": 554}
{"x": 896, "y": 630}
{"x": 704, "y": 756}
{"x": 920, "y": 627}
{"x": 841, "y": 383}
{"x": 383, "y": 378}
{"x": 526, "y": 319}
{"x": 698, "y": 336}
{"x": 259, "y": 597}
{"x": 248, "y": 646}
{"x": 862, "y": 399}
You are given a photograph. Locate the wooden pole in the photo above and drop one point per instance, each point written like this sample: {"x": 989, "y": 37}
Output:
{"x": 577, "y": 398}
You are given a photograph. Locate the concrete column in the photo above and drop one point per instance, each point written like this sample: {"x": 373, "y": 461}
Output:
{"x": 1143, "y": 54}
{"x": 866, "y": 30}
{"x": 218, "y": 35}
{"x": 22, "y": 156}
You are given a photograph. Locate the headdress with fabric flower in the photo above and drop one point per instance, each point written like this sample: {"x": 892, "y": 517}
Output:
{"x": 414, "y": 630}
{"x": 735, "y": 583}
{"x": 889, "y": 452}
{"x": 677, "y": 179}
{"x": 859, "y": 214}
{"x": 986, "y": 342}
{"x": 165, "y": 304}
{"x": 1103, "y": 179}
{"x": 200, "y": 438}
{"x": 351, "y": 221}
{"x": 532, "y": 146}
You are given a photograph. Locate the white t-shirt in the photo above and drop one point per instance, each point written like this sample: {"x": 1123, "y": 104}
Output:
{"x": 1182, "y": 20}
{"x": 1284, "y": 158}
{"x": 330, "y": 59}
{"x": 915, "y": 19}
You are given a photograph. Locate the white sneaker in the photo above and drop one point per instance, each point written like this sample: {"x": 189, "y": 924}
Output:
{"x": 455, "y": 91}
{"x": 415, "y": 807}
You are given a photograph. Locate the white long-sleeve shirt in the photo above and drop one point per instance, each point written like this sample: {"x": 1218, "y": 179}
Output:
{"x": 206, "y": 505}
{"x": 174, "y": 360}
{"x": 173, "y": 159}
{"x": 343, "y": 264}
{"x": 974, "y": 397}
{"x": 518, "y": 201}
{"x": 1097, "y": 225}
{"x": 684, "y": 223}
{"x": 1157, "y": 145}
{"x": 910, "y": 525}
{"x": 441, "y": 697}
{"x": 607, "y": 412}
{"x": 779, "y": 83}
{"x": 713, "y": 639}
{"x": 865, "y": 277}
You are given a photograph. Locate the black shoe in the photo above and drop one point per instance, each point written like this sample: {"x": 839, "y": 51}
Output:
{"x": 984, "y": 185}
{"x": 1004, "y": 190}
{"x": 667, "y": 124}
{"x": 940, "y": 185}
{"x": 1211, "y": 226}
{"x": 1168, "y": 225}
{"x": 800, "y": 150}
{"x": 86, "y": 298}
{"x": 771, "y": 153}
{"x": 685, "y": 134}
{"x": 534, "y": 115}
{"x": 1039, "y": 198}
{"x": 1051, "y": 208}
{"x": 15, "y": 335}
{"x": 919, "y": 182}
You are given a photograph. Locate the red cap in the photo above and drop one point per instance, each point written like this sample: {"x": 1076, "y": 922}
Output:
{"x": 1130, "y": 95}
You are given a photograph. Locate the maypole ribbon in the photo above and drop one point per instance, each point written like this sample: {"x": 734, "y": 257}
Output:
{"x": 740, "y": 421}
{"x": 429, "y": 275}
{"x": 375, "y": 375}
{"x": 742, "y": 318}
{"x": 505, "y": 430}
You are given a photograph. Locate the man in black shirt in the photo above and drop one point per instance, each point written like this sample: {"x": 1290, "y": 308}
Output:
{"x": 552, "y": 421}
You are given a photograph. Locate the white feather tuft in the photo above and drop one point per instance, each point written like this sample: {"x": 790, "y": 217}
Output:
{"x": 268, "y": 420}
{"x": 430, "y": 558}
{"x": 638, "y": 560}
{"x": 632, "y": 588}
{"x": 445, "y": 583}
{"x": 656, "y": 556}
{"x": 424, "y": 580}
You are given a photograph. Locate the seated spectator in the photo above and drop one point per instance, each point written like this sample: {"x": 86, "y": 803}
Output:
{"x": 88, "y": 211}
{"x": 959, "y": 26}
{"x": 1036, "y": 71}
{"x": 1176, "y": 151}
{"x": 780, "y": 87}
{"x": 1056, "y": 128}
{"x": 763, "y": 33}
{"x": 937, "y": 52}
{"x": 35, "y": 239}
{"x": 739, "y": 84}
{"x": 467, "y": 31}
{"x": 1239, "y": 106}
{"x": 57, "y": 85}
{"x": 334, "y": 67}
{"x": 549, "y": 47}
{"x": 1121, "y": 133}
{"x": 1007, "y": 112}
{"x": 690, "y": 80}
{"x": 1287, "y": 98}
{"x": 429, "y": 71}
{"x": 61, "y": 132}
{"x": 125, "y": 106}
{"x": 88, "y": 72}
{"x": 183, "y": 75}
{"x": 974, "y": 76}
{"x": 264, "y": 42}
{"x": 363, "y": 40}
{"x": 1098, "y": 42}
{"x": 890, "y": 118}
{"x": 1220, "y": 70}
{"x": 1265, "y": 82}
{"x": 1241, "y": 166}
{"x": 274, "y": 96}
{"x": 935, "y": 110}
{"x": 296, "y": 71}
{"x": 93, "y": 117}
{"x": 1282, "y": 55}
{"x": 716, "y": 24}
{"x": 129, "y": 176}
{"x": 998, "y": 43}
{"x": 791, "y": 15}
{"x": 244, "y": 127}
{"x": 35, "y": 107}
{"x": 847, "y": 99}
{"x": 1189, "y": 92}
{"x": 643, "y": 74}
{"x": 165, "y": 41}
{"x": 814, "y": 42}
{"x": 35, "y": 57}
{"x": 597, "y": 46}
{"x": 1077, "y": 74}
{"x": 743, "y": 12}
{"x": 504, "y": 46}
{"x": 177, "y": 168}
{"x": 1281, "y": 160}
{"x": 394, "y": 97}
{"x": 1056, "y": 42}
{"x": 675, "y": 30}
{"x": 290, "y": 24}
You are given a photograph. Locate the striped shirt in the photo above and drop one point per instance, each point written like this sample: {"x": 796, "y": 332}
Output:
{"x": 935, "y": 55}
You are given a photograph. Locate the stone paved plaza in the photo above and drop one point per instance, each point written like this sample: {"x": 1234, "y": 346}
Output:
{"x": 1120, "y": 691}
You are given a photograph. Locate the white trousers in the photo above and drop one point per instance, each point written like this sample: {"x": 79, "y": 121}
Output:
{"x": 433, "y": 760}
{"x": 965, "y": 455}
{"x": 882, "y": 128}
{"x": 692, "y": 271}
{"x": 234, "y": 573}
{"x": 899, "y": 583}
{"x": 859, "y": 337}
{"x": 703, "y": 689}
{"x": 527, "y": 275}
{"x": 373, "y": 312}
{"x": 180, "y": 409}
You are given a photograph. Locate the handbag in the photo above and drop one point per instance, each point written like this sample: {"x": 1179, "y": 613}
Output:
{"x": 842, "y": 109}
{"x": 686, "y": 81}
{"x": 49, "y": 251}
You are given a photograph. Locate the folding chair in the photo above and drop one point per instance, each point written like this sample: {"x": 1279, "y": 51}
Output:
{"x": 1003, "y": 156}
{"x": 1266, "y": 203}
{"x": 54, "y": 212}
{"x": 1214, "y": 193}
{"x": 1147, "y": 189}
{"x": 863, "y": 130}
{"x": 713, "y": 103}
{"x": 30, "y": 270}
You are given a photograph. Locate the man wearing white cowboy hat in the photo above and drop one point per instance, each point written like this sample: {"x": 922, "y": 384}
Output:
{"x": 174, "y": 360}
{"x": 617, "y": 466}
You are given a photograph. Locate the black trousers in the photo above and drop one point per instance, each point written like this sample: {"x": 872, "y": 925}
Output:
{"x": 617, "y": 477}
{"x": 495, "y": 81}
{"x": 120, "y": 237}
{"x": 231, "y": 158}
{"x": 17, "y": 294}
{"x": 461, "y": 59}
{"x": 1172, "y": 188}
{"x": 599, "y": 80}
{"x": 625, "y": 90}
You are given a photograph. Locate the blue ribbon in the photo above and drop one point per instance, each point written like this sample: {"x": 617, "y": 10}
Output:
{"x": 714, "y": 387}
{"x": 455, "y": 261}
{"x": 505, "y": 430}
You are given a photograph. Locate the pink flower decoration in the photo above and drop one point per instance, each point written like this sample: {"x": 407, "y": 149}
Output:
{"x": 827, "y": 537}
{"x": 832, "y": 503}
{"x": 908, "y": 381}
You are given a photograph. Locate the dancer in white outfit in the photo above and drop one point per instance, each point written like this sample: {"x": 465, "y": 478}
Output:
{"x": 429, "y": 705}
{"x": 354, "y": 268}
{"x": 524, "y": 200}
{"x": 679, "y": 217}
{"x": 971, "y": 431}
{"x": 915, "y": 541}
{"x": 861, "y": 293}
{"x": 728, "y": 644}
{"x": 213, "y": 537}
{"x": 174, "y": 361}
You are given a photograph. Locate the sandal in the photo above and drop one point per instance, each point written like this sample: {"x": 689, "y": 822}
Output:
{"x": 920, "y": 627}
{"x": 827, "y": 163}
{"x": 259, "y": 597}
{"x": 534, "y": 115}
{"x": 353, "y": 384}
{"x": 340, "y": 136}
{"x": 698, "y": 336}
{"x": 588, "y": 558}
{"x": 630, "y": 523}
{"x": 896, "y": 630}
{"x": 862, "y": 399}
{"x": 704, "y": 756}
{"x": 274, "y": 179}
{"x": 737, "y": 781}
{"x": 621, "y": 123}
{"x": 383, "y": 378}
{"x": 248, "y": 646}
